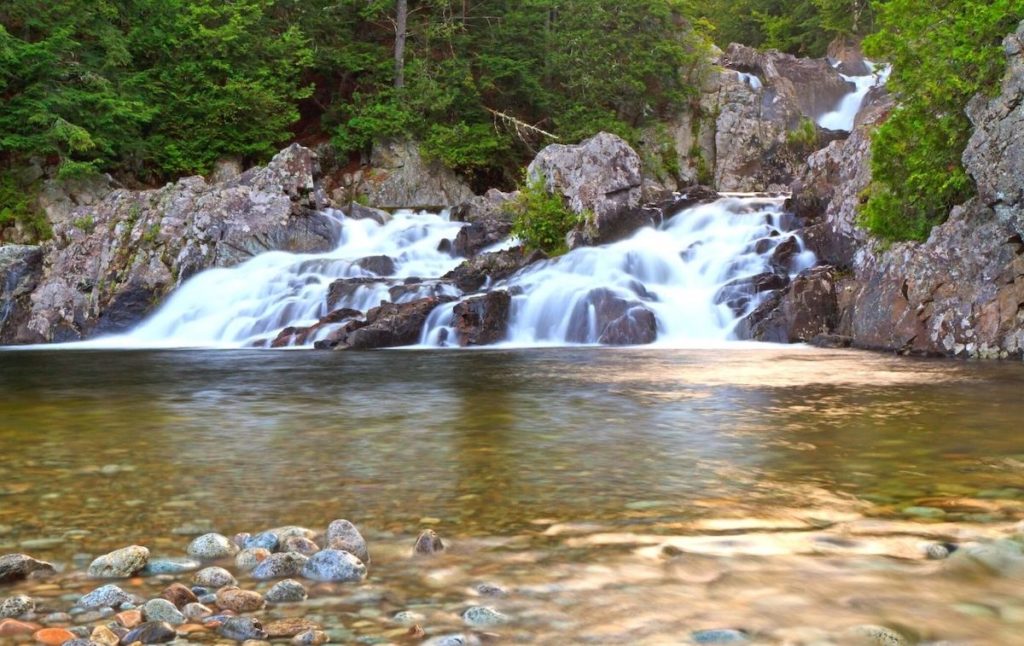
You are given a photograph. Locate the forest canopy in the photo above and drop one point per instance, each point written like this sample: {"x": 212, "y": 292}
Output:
{"x": 150, "y": 90}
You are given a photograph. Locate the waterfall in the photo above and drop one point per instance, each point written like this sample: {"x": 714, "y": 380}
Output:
{"x": 694, "y": 277}
{"x": 844, "y": 114}
{"x": 694, "y": 273}
{"x": 252, "y": 302}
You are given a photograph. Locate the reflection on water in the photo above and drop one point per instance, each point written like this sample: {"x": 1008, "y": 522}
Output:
{"x": 576, "y": 477}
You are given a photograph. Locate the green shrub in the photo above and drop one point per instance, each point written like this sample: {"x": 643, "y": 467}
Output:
{"x": 85, "y": 223}
{"x": 18, "y": 206}
{"x": 941, "y": 58}
{"x": 542, "y": 219}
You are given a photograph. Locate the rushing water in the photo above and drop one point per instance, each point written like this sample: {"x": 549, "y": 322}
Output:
{"x": 676, "y": 270}
{"x": 620, "y": 496}
{"x": 843, "y": 116}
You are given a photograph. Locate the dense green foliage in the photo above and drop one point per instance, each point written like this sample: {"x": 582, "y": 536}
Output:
{"x": 542, "y": 219}
{"x": 157, "y": 88}
{"x": 801, "y": 27}
{"x": 941, "y": 58}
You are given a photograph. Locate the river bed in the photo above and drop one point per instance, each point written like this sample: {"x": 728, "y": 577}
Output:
{"x": 617, "y": 496}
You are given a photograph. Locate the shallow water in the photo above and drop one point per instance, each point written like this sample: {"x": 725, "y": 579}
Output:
{"x": 786, "y": 484}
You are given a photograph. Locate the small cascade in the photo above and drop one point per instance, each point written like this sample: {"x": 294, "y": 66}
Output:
{"x": 845, "y": 112}
{"x": 251, "y": 303}
{"x": 698, "y": 274}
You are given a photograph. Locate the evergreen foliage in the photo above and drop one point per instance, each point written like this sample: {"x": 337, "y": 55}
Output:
{"x": 941, "y": 58}
{"x": 541, "y": 219}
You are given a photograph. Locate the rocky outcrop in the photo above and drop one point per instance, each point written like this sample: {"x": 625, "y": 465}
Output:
{"x": 599, "y": 178}
{"x": 960, "y": 293}
{"x": 111, "y": 262}
{"x": 995, "y": 153}
{"x": 400, "y": 178}
{"x": 806, "y": 309}
{"x": 747, "y": 131}
{"x": 482, "y": 320}
{"x": 489, "y": 221}
{"x": 20, "y": 270}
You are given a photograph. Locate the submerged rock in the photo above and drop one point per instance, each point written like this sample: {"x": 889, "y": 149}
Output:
{"x": 162, "y": 610}
{"x": 210, "y": 547}
{"x": 170, "y": 566}
{"x": 15, "y": 567}
{"x": 871, "y": 635}
{"x": 279, "y": 565}
{"x": 720, "y": 636}
{"x": 179, "y": 595}
{"x": 213, "y": 577}
{"x": 120, "y": 564}
{"x": 151, "y": 632}
{"x": 334, "y": 566}
{"x": 14, "y": 607}
{"x": 428, "y": 543}
{"x": 250, "y": 557}
{"x": 613, "y": 319}
{"x": 484, "y": 617}
{"x": 107, "y": 596}
{"x": 238, "y": 600}
{"x": 343, "y": 535}
{"x": 289, "y": 627}
{"x": 241, "y": 629}
{"x": 287, "y": 591}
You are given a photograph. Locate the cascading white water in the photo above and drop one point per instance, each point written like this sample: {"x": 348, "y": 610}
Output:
{"x": 677, "y": 271}
{"x": 845, "y": 113}
{"x": 253, "y": 302}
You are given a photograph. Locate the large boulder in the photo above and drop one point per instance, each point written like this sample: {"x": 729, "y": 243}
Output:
{"x": 600, "y": 177}
{"x": 111, "y": 262}
{"x": 482, "y": 320}
{"x": 401, "y": 178}
{"x": 20, "y": 269}
{"x": 995, "y": 153}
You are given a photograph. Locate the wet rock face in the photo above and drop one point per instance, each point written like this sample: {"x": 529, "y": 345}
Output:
{"x": 482, "y": 320}
{"x": 428, "y": 543}
{"x": 112, "y": 260}
{"x": 807, "y": 308}
{"x": 21, "y": 267}
{"x": 995, "y": 153}
{"x": 615, "y": 320}
{"x": 391, "y": 325}
{"x": 489, "y": 221}
{"x": 812, "y": 83}
{"x": 490, "y": 267}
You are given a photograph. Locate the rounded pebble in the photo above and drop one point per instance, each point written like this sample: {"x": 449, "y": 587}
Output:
{"x": 120, "y": 564}
{"x": 334, "y": 566}
{"x": 287, "y": 591}
{"x": 162, "y": 610}
{"x": 483, "y": 616}
{"x": 213, "y": 577}
{"x": 210, "y": 547}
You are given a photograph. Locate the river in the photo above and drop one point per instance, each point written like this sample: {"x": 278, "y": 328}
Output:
{"x": 617, "y": 495}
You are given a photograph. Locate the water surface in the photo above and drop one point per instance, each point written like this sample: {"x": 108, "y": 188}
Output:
{"x": 787, "y": 484}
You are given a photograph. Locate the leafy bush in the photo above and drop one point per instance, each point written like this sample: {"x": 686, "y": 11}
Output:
{"x": 941, "y": 58}
{"x": 542, "y": 219}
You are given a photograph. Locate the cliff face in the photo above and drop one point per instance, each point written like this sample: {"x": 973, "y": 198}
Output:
{"x": 959, "y": 293}
{"x": 112, "y": 261}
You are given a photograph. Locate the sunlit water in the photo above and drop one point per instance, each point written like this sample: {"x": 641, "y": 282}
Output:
{"x": 783, "y": 483}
